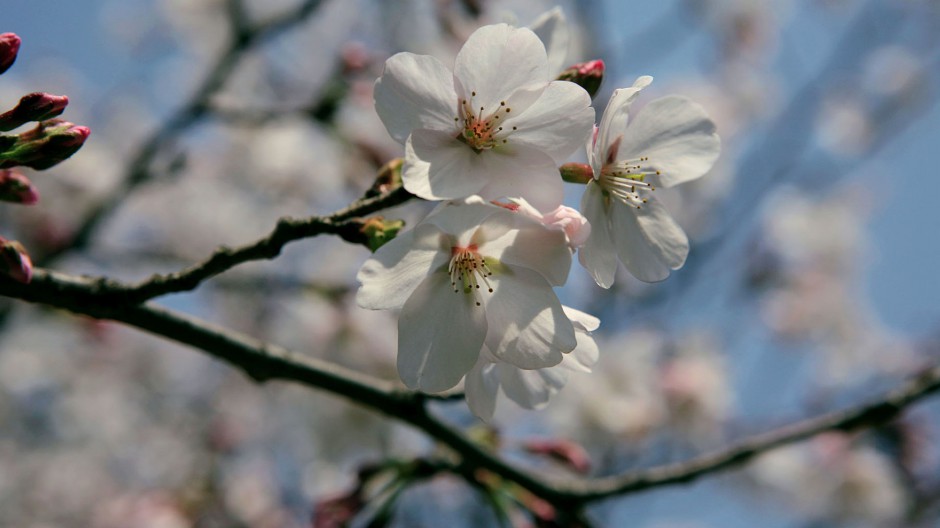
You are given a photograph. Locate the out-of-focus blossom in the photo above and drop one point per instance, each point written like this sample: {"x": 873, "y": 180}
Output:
{"x": 14, "y": 261}
{"x": 498, "y": 126}
{"x": 16, "y": 188}
{"x": 571, "y": 454}
{"x": 471, "y": 274}
{"x": 670, "y": 142}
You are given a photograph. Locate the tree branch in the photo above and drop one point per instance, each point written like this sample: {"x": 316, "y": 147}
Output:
{"x": 263, "y": 362}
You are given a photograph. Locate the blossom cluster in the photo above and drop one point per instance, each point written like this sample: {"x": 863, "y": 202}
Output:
{"x": 474, "y": 280}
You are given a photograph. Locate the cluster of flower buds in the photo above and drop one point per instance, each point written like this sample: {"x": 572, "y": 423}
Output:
{"x": 45, "y": 145}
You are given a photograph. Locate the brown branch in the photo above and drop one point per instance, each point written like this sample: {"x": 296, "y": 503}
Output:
{"x": 263, "y": 362}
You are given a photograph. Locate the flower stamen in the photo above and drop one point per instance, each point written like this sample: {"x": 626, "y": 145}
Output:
{"x": 625, "y": 180}
{"x": 468, "y": 270}
{"x": 480, "y": 130}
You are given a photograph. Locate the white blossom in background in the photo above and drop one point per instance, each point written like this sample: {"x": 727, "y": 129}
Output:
{"x": 497, "y": 126}
{"x": 471, "y": 274}
{"x": 670, "y": 142}
{"x": 530, "y": 389}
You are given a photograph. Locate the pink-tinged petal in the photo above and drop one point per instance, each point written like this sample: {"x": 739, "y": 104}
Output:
{"x": 531, "y": 389}
{"x": 398, "y": 267}
{"x": 635, "y": 251}
{"x": 481, "y": 388}
{"x": 615, "y": 118}
{"x": 678, "y": 138}
{"x": 552, "y": 29}
{"x": 438, "y": 167}
{"x": 440, "y": 334}
{"x": 558, "y": 123}
{"x": 496, "y": 62}
{"x": 535, "y": 247}
{"x": 528, "y": 327}
{"x": 519, "y": 170}
{"x": 415, "y": 91}
{"x": 663, "y": 234}
{"x": 598, "y": 255}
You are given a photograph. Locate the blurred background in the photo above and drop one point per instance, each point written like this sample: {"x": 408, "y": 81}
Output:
{"x": 810, "y": 285}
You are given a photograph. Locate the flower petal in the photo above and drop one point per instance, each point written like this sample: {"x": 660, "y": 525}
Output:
{"x": 440, "y": 334}
{"x": 678, "y": 138}
{"x": 496, "y": 62}
{"x": 415, "y": 91}
{"x": 598, "y": 254}
{"x": 664, "y": 235}
{"x": 536, "y": 247}
{"x": 531, "y": 389}
{"x": 552, "y": 29}
{"x": 528, "y": 327}
{"x": 614, "y": 121}
{"x": 438, "y": 167}
{"x": 481, "y": 388}
{"x": 520, "y": 170}
{"x": 558, "y": 123}
{"x": 633, "y": 248}
{"x": 471, "y": 221}
{"x": 398, "y": 267}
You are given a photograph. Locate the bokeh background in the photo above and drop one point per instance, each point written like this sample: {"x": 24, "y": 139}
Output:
{"x": 810, "y": 286}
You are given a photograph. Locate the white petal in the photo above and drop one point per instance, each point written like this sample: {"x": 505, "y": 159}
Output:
{"x": 677, "y": 136}
{"x": 438, "y": 167}
{"x": 471, "y": 221}
{"x": 528, "y": 327}
{"x": 496, "y": 62}
{"x": 520, "y": 170}
{"x": 584, "y": 356}
{"x": 415, "y": 91}
{"x": 614, "y": 121}
{"x": 440, "y": 334}
{"x": 582, "y": 321}
{"x": 398, "y": 267}
{"x": 633, "y": 248}
{"x": 552, "y": 29}
{"x": 481, "y": 387}
{"x": 531, "y": 389}
{"x": 536, "y": 247}
{"x": 598, "y": 254}
{"x": 558, "y": 123}
{"x": 664, "y": 235}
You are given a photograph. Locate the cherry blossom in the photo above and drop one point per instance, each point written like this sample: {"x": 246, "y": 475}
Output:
{"x": 471, "y": 274}
{"x": 497, "y": 126}
{"x": 670, "y": 142}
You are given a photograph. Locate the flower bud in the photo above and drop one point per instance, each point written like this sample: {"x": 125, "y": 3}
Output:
{"x": 387, "y": 179}
{"x": 378, "y": 231}
{"x": 9, "y": 47}
{"x": 576, "y": 173}
{"x": 566, "y": 452}
{"x": 16, "y": 188}
{"x": 42, "y": 147}
{"x": 587, "y": 75}
{"x": 14, "y": 261}
{"x": 36, "y": 106}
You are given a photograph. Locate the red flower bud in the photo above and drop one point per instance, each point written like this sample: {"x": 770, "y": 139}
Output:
{"x": 49, "y": 143}
{"x": 16, "y": 188}
{"x": 588, "y": 75}
{"x": 9, "y": 47}
{"x": 36, "y": 106}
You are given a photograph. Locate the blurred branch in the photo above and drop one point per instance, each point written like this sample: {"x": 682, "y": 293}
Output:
{"x": 263, "y": 362}
{"x": 243, "y": 37}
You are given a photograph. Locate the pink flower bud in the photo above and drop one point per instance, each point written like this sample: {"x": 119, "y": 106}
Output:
{"x": 576, "y": 173}
{"x": 9, "y": 47}
{"x": 36, "y": 106}
{"x": 569, "y": 220}
{"x": 49, "y": 143}
{"x": 569, "y": 453}
{"x": 587, "y": 75}
{"x": 14, "y": 261}
{"x": 16, "y": 188}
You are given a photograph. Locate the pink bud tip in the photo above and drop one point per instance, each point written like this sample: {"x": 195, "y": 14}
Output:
{"x": 9, "y": 47}
{"x": 594, "y": 68}
{"x": 36, "y": 106}
{"x": 15, "y": 262}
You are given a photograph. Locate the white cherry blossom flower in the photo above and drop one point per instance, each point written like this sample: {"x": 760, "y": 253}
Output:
{"x": 530, "y": 389}
{"x": 670, "y": 142}
{"x": 564, "y": 218}
{"x": 497, "y": 126}
{"x": 471, "y": 274}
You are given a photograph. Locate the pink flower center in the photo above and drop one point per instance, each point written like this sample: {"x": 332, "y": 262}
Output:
{"x": 481, "y": 129}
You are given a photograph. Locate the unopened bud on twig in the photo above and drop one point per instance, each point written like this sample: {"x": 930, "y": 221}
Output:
{"x": 576, "y": 173}
{"x": 378, "y": 231}
{"x": 14, "y": 261}
{"x": 36, "y": 106}
{"x": 16, "y": 188}
{"x": 387, "y": 179}
{"x": 587, "y": 75}
{"x": 49, "y": 143}
{"x": 9, "y": 47}
{"x": 566, "y": 452}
